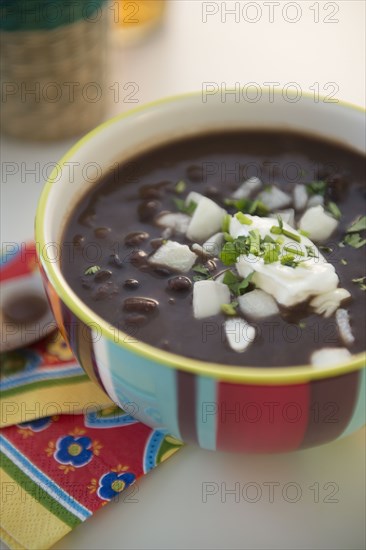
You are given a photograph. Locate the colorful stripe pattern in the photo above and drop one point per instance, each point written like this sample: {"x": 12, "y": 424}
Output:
{"x": 61, "y": 470}
{"x": 222, "y": 415}
{"x": 58, "y": 469}
{"x": 43, "y": 379}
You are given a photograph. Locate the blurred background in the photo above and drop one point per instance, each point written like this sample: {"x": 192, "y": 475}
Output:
{"x": 61, "y": 75}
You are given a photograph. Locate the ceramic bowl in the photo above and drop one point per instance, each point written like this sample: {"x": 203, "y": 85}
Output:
{"x": 215, "y": 406}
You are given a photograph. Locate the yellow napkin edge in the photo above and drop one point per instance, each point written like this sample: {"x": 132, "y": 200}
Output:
{"x": 70, "y": 398}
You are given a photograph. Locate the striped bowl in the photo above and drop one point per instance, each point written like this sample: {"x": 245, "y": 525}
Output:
{"x": 216, "y": 406}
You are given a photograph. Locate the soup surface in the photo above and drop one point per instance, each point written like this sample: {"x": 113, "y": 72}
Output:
{"x": 124, "y": 257}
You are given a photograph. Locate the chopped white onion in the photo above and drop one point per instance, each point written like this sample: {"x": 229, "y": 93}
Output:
{"x": 248, "y": 188}
{"x": 344, "y": 327}
{"x": 318, "y": 224}
{"x": 174, "y": 256}
{"x": 327, "y": 303}
{"x": 274, "y": 198}
{"x": 316, "y": 200}
{"x": 193, "y": 197}
{"x": 221, "y": 276}
{"x": 200, "y": 251}
{"x": 167, "y": 233}
{"x": 258, "y": 304}
{"x": 300, "y": 195}
{"x": 239, "y": 333}
{"x": 177, "y": 221}
{"x": 288, "y": 216}
{"x": 213, "y": 245}
{"x": 329, "y": 356}
{"x": 206, "y": 220}
{"x": 208, "y": 297}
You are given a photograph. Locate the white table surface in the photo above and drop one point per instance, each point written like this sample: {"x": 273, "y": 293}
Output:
{"x": 169, "y": 511}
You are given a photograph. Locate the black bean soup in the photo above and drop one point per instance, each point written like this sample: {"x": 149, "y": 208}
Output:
{"x": 114, "y": 232}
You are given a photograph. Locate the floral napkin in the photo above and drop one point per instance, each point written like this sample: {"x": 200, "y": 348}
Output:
{"x": 65, "y": 449}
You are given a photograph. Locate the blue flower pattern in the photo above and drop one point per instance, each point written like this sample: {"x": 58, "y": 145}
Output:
{"x": 37, "y": 425}
{"x": 111, "y": 484}
{"x": 74, "y": 450}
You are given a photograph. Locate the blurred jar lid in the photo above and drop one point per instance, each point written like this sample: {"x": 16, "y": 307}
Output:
{"x": 27, "y": 15}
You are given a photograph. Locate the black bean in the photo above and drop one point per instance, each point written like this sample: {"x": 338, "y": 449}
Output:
{"x": 102, "y": 275}
{"x": 115, "y": 260}
{"x": 86, "y": 283}
{"x": 144, "y": 267}
{"x": 162, "y": 271}
{"x": 101, "y": 293}
{"x": 136, "y": 319}
{"x": 78, "y": 241}
{"x": 336, "y": 187}
{"x": 136, "y": 238}
{"x": 152, "y": 191}
{"x": 156, "y": 243}
{"x": 212, "y": 191}
{"x": 87, "y": 218}
{"x": 171, "y": 301}
{"x": 102, "y": 232}
{"x": 147, "y": 210}
{"x": 131, "y": 284}
{"x": 180, "y": 283}
{"x": 195, "y": 173}
{"x": 140, "y": 305}
{"x": 138, "y": 258}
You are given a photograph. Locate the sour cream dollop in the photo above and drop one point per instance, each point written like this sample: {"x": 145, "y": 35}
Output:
{"x": 312, "y": 276}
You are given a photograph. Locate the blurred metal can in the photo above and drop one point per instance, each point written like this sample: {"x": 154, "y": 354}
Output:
{"x": 54, "y": 65}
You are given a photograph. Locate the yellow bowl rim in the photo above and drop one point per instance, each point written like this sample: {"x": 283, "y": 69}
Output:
{"x": 236, "y": 374}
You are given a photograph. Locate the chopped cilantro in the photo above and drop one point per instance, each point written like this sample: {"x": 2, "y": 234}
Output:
{"x": 228, "y": 309}
{"x": 236, "y": 285}
{"x": 228, "y": 253}
{"x": 225, "y": 226}
{"x": 311, "y": 251}
{"x": 357, "y": 225}
{"x": 354, "y": 240}
{"x": 289, "y": 260}
{"x": 334, "y": 210}
{"x": 316, "y": 188}
{"x": 353, "y": 237}
{"x": 248, "y": 206}
{"x": 92, "y": 270}
{"x": 325, "y": 249}
{"x": 243, "y": 219}
{"x": 255, "y": 242}
{"x": 271, "y": 252}
{"x": 294, "y": 251}
{"x": 276, "y": 230}
{"x": 238, "y": 204}
{"x": 291, "y": 235}
{"x": 257, "y": 208}
{"x": 202, "y": 273}
{"x": 280, "y": 230}
{"x": 228, "y": 237}
{"x": 185, "y": 208}
{"x": 180, "y": 187}
{"x": 360, "y": 282}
